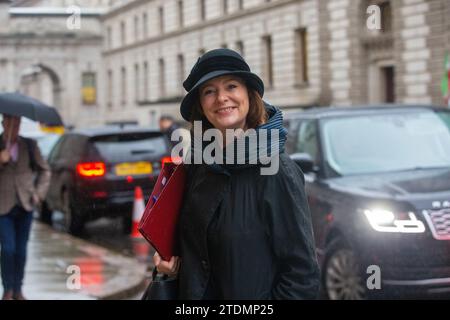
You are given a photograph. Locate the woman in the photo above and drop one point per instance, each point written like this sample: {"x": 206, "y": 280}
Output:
{"x": 242, "y": 234}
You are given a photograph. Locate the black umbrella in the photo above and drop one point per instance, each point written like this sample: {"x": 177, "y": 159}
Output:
{"x": 19, "y": 105}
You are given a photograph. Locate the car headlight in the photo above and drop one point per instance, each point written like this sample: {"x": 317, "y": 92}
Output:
{"x": 387, "y": 221}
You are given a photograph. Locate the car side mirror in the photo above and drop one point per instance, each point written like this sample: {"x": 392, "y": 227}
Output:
{"x": 304, "y": 161}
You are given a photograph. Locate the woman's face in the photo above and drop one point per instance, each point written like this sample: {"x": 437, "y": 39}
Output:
{"x": 224, "y": 101}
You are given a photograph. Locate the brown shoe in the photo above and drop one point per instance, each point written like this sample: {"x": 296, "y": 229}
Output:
{"x": 19, "y": 296}
{"x": 7, "y": 295}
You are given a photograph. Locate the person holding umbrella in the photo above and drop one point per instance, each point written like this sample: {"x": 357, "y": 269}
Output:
{"x": 24, "y": 181}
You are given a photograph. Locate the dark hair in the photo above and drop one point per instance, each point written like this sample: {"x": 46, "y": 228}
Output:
{"x": 166, "y": 117}
{"x": 257, "y": 114}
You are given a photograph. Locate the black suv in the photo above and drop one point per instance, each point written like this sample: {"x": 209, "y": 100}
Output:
{"x": 378, "y": 186}
{"x": 95, "y": 172}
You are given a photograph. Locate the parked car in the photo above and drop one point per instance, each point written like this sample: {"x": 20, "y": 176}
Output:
{"x": 95, "y": 172}
{"x": 378, "y": 187}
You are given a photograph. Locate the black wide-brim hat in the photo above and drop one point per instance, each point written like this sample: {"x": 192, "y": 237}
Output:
{"x": 213, "y": 64}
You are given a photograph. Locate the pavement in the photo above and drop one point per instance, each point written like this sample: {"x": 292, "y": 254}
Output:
{"x": 63, "y": 267}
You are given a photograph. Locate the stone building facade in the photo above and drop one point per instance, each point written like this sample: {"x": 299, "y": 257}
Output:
{"x": 153, "y": 44}
{"x": 44, "y": 57}
{"x": 408, "y": 56}
{"x": 309, "y": 52}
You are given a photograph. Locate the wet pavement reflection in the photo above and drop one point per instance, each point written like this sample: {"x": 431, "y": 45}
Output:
{"x": 64, "y": 267}
{"x": 108, "y": 233}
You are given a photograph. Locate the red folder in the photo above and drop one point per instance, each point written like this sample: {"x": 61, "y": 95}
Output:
{"x": 159, "y": 221}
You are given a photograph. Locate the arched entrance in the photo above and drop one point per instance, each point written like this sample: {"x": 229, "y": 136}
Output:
{"x": 41, "y": 82}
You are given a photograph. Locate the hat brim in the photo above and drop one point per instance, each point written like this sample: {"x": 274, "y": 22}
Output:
{"x": 251, "y": 79}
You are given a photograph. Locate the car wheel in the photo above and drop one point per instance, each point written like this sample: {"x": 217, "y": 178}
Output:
{"x": 45, "y": 214}
{"x": 73, "y": 221}
{"x": 342, "y": 277}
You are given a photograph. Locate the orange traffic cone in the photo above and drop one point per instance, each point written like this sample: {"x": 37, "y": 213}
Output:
{"x": 141, "y": 250}
{"x": 138, "y": 211}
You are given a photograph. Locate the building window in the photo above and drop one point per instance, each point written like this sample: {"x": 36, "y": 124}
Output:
{"x": 136, "y": 28}
{"x": 240, "y": 47}
{"x": 137, "y": 82}
{"x": 123, "y": 86}
{"x": 89, "y": 91}
{"x": 386, "y": 16}
{"x": 153, "y": 119}
{"x": 225, "y": 6}
{"x": 180, "y": 14}
{"x": 146, "y": 87}
{"x": 145, "y": 25}
{"x": 241, "y": 4}
{"x": 161, "y": 19}
{"x": 181, "y": 71}
{"x": 381, "y": 86}
{"x": 267, "y": 60}
{"x": 202, "y": 10}
{"x": 122, "y": 33}
{"x": 388, "y": 81}
{"x": 162, "y": 79}
{"x": 110, "y": 88}
{"x": 109, "y": 37}
{"x": 301, "y": 56}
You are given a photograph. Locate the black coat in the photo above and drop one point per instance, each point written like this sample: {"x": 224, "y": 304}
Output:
{"x": 244, "y": 235}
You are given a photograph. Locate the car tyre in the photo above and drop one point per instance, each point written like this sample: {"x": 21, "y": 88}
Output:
{"x": 127, "y": 224}
{"x": 342, "y": 277}
{"x": 73, "y": 220}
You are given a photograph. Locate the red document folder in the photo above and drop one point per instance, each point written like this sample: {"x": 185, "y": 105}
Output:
{"x": 159, "y": 221}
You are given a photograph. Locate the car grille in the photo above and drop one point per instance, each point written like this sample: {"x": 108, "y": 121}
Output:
{"x": 439, "y": 223}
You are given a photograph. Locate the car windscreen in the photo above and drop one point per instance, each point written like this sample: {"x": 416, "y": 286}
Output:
{"x": 419, "y": 139}
{"x": 131, "y": 146}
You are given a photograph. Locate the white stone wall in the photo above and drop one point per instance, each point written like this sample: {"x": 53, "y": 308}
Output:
{"x": 4, "y": 17}
{"x": 330, "y": 63}
{"x": 280, "y": 19}
{"x": 66, "y": 57}
{"x": 68, "y": 64}
{"x": 339, "y": 47}
{"x": 416, "y": 53}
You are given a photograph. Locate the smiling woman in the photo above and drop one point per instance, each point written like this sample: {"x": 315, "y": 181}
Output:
{"x": 242, "y": 234}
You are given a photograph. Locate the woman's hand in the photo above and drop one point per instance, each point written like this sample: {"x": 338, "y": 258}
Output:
{"x": 167, "y": 267}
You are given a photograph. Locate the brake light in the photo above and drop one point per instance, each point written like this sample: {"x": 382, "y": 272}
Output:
{"x": 99, "y": 194}
{"x": 91, "y": 169}
{"x": 176, "y": 160}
